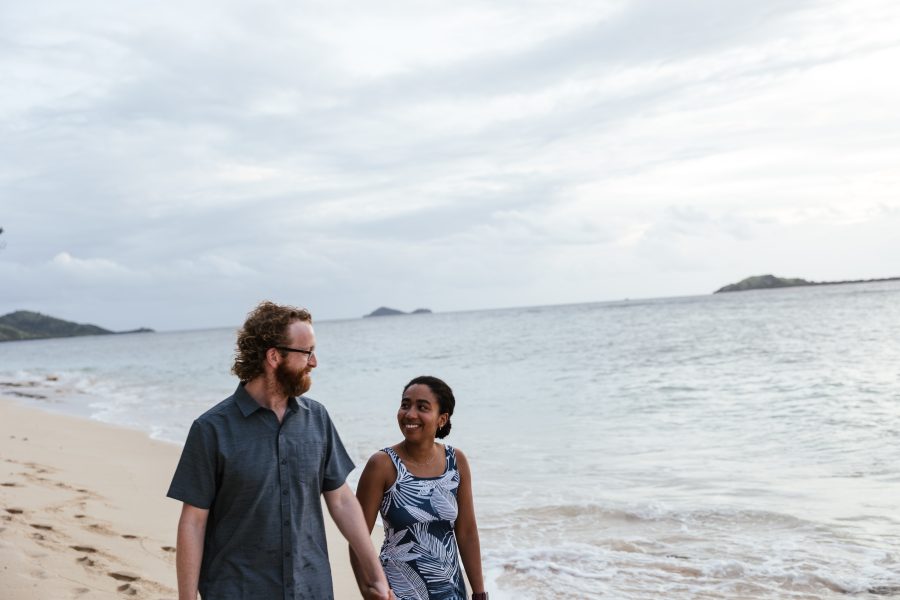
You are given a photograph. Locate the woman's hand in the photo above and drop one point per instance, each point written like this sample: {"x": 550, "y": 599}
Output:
{"x": 374, "y": 593}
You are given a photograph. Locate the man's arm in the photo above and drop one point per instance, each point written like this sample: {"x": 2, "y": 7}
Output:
{"x": 348, "y": 517}
{"x": 189, "y": 549}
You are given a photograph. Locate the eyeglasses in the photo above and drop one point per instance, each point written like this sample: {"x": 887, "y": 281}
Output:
{"x": 286, "y": 349}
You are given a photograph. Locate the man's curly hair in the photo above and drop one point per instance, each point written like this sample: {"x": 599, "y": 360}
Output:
{"x": 266, "y": 327}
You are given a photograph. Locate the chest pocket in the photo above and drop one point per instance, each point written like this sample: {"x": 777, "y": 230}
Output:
{"x": 307, "y": 462}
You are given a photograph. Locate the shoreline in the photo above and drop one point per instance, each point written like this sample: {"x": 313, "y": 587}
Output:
{"x": 83, "y": 510}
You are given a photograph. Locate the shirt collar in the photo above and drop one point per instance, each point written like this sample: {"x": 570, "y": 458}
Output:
{"x": 248, "y": 405}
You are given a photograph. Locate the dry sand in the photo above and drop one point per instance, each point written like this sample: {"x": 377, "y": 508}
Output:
{"x": 83, "y": 512}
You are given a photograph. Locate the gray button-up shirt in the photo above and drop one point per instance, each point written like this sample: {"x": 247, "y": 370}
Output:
{"x": 261, "y": 481}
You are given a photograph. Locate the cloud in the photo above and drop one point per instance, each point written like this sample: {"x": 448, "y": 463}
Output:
{"x": 189, "y": 159}
{"x": 93, "y": 267}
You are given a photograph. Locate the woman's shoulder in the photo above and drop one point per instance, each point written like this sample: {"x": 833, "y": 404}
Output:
{"x": 379, "y": 467}
{"x": 462, "y": 462}
{"x": 380, "y": 461}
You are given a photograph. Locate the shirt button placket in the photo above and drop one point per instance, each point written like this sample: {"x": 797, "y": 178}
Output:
{"x": 284, "y": 483}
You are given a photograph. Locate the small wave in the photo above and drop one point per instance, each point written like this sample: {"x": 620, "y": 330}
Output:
{"x": 594, "y": 571}
{"x": 82, "y": 393}
{"x": 588, "y": 550}
{"x": 656, "y": 513}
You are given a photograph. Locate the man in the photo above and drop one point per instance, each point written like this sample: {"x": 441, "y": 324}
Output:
{"x": 251, "y": 474}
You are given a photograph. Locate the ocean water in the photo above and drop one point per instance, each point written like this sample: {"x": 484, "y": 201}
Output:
{"x": 718, "y": 447}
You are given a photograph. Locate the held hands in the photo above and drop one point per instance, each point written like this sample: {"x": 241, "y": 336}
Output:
{"x": 379, "y": 591}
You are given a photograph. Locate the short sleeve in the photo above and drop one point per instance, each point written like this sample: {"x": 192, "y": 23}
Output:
{"x": 194, "y": 481}
{"x": 337, "y": 462}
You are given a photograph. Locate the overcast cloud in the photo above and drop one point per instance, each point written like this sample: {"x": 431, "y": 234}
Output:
{"x": 170, "y": 164}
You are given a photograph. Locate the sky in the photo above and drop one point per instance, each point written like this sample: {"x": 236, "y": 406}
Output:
{"x": 170, "y": 164}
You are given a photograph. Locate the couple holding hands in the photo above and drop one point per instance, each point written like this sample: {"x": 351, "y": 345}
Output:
{"x": 255, "y": 467}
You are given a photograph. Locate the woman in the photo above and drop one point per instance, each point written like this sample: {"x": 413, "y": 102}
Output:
{"x": 424, "y": 493}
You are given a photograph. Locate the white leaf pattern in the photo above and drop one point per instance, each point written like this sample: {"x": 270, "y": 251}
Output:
{"x": 420, "y": 546}
{"x": 393, "y": 550}
{"x": 444, "y": 504}
{"x": 405, "y": 582}
{"x": 407, "y": 489}
{"x": 420, "y": 515}
{"x": 436, "y": 557}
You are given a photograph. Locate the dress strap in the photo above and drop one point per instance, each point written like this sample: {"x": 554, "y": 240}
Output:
{"x": 451, "y": 457}
{"x": 398, "y": 464}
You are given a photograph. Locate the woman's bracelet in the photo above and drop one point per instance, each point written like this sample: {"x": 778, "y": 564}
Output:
{"x": 480, "y": 596}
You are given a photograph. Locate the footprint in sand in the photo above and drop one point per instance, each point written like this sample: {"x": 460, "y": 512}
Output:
{"x": 128, "y": 536}
{"x": 10, "y": 484}
{"x": 14, "y": 511}
{"x": 100, "y": 529}
{"x": 86, "y": 561}
{"x": 127, "y": 589}
{"x": 168, "y": 549}
{"x": 123, "y": 576}
{"x": 41, "y": 527}
{"x": 87, "y": 549}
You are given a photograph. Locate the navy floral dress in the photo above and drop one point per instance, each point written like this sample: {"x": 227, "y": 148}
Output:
{"x": 419, "y": 553}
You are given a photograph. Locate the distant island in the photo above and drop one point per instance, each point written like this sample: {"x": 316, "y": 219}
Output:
{"x": 28, "y": 325}
{"x": 384, "y": 311}
{"x": 765, "y": 282}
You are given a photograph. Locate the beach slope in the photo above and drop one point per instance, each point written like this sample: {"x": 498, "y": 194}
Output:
{"x": 83, "y": 512}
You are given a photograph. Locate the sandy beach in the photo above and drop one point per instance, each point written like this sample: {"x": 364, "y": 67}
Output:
{"x": 83, "y": 512}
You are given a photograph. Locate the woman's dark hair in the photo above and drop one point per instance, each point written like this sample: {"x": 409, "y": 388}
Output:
{"x": 444, "y": 396}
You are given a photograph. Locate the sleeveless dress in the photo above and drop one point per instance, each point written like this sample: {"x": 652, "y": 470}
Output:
{"x": 419, "y": 554}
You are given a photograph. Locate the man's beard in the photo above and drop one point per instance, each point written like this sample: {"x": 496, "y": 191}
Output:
{"x": 293, "y": 383}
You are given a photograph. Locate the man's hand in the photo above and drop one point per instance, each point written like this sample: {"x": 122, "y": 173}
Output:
{"x": 374, "y": 593}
